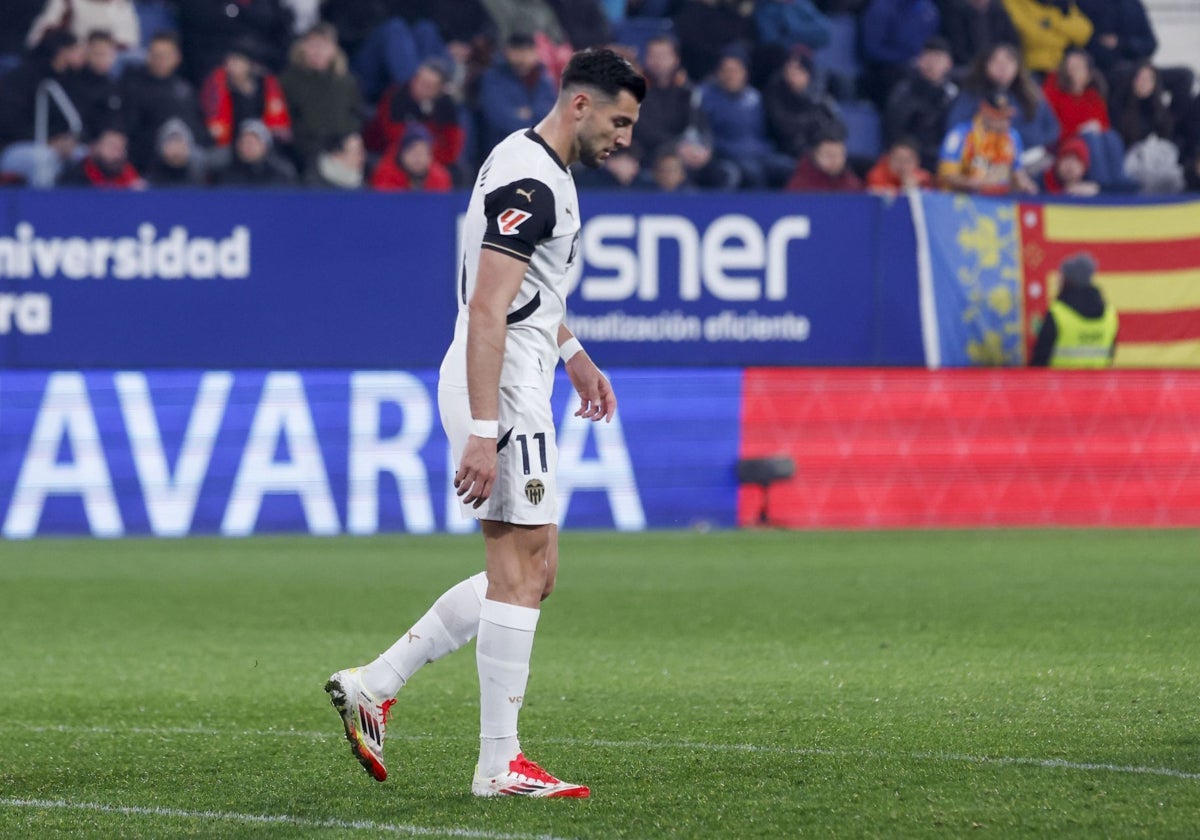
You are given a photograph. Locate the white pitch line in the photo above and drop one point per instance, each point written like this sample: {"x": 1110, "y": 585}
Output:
{"x": 266, "y": 819}
{"x": 699, "y": 746}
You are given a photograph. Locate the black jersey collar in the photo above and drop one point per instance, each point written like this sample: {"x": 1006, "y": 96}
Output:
{"x": 537, "y": 138}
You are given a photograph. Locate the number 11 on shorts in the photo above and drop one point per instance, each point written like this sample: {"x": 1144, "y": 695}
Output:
{"x": 540, "y": 437}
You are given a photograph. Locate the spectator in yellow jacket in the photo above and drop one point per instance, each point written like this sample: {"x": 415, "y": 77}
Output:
{"x": 1047, "y": 29}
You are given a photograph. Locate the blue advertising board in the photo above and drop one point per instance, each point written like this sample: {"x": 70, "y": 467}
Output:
{"x": 270, "y": 280}
{"x": 171, "y": 453}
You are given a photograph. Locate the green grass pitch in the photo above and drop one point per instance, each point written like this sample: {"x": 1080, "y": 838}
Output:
{"x": 734, "y": 684}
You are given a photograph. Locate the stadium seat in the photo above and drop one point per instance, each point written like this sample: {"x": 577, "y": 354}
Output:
{"x": 636, "y": 32}
{"x": 864, "y": 131}
{"x": 839, "y": 60}
{"x": 30, "y": 163}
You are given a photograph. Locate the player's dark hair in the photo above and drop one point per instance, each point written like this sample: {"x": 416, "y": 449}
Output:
{"x": 604, "y": 70}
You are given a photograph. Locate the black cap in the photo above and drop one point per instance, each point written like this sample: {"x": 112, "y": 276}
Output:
{"x": 519, "y": 40}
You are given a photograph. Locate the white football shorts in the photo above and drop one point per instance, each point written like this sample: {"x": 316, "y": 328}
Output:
{"x": 525, "y": 491}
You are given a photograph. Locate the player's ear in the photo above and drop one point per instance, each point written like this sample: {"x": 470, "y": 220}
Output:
{"x": 581, "y": 102}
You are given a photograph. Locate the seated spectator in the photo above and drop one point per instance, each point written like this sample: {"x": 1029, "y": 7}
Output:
{"x": 668, "y": 174}
{"x": 1078, "y": 93}
{"x": 106, "y": 165}
{"x": 391, "y": 52}
{"x": 1121, "y": 32}
{"x": 893, "y": 33}
{"x": 155, "y": 94}
{"x": 340, "y": 166}
{"x": 789, "y": 23}
{"x": 514, "y": 94}
{"x": 254, "y": 162}
{"x": 83, "y": 17}
{"x": 240, "y": 90}
{"x": 920, "y": 103}
{"x": 1139, "y": 108}
{"x": 667, "y": 111}
{"x": 999, "y": 71}
{"x": 93, "y": 89}
{"x": 1048, "y": 28}
{"x": 737, "y": 116}
{"x": 409, "y": 166}
{"x": 422, "y": 100}
{"x": 704, "y": 28}
{"x": 57, "y": 58}
{"x": 797, "y": 115}
{"x": 899, "y": 169}
{"x": 322, "y": 97}
{"x": 984, "y": 155}
{"x": 261, "y": 29}
{"x": 619, "y": 171}
{"x": 1068, "y": 176}
{"x": 583, "y": 23}
{"x": 1123, "y": 38}
{"x": 824, "y": 169}
{"x": 177, "y": 161}
{"x": 524, "y": 17}
{"x": 972, "y": 26}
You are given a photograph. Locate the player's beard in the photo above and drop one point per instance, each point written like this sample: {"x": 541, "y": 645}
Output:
{"x": 589, "y": 153}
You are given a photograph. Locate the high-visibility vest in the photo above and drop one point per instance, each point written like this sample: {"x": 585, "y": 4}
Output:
{"x": 1083, "y": 342}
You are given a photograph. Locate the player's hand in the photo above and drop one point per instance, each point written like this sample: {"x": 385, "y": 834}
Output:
{"x": 477, "y": 472}
{"x": 596, "y": 398}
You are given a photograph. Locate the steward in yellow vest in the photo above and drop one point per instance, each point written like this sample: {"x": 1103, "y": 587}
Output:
{"x": 1080, "y": 330}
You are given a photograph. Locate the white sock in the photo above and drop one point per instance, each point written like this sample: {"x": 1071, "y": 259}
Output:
{"x": 451, "y": 622}
{"x": 502, "y": 654}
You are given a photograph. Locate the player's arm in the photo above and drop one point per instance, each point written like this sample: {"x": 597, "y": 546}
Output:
{"x": 596, "y": 398}
{"x": 519, "y": 216}
{"x": 496, "y": 287}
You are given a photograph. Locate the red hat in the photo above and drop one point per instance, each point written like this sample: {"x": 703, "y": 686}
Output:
{"x": 1077, "y": 147}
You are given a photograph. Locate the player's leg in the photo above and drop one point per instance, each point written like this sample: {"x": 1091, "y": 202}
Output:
{"x": 551, "y": 563}
{"x": 363, "y": 696}
{"x": 518, "y": 562}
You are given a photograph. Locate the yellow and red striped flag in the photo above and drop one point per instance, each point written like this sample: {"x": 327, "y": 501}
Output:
{"x": 1148, "y": 258}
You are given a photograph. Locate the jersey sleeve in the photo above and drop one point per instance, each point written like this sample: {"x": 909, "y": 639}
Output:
{"x": 519, "y": 216}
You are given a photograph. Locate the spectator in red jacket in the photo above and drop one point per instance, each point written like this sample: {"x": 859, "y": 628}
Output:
{"x": 409, "y": 166}
{"x": 899, "y": 169}
{"x": 1069, "y": 174}
{"x": 422, "y": 100}
{"x": 240, "y": 90}
{"x": 824, "y": 169}
{"x": 107, "y": 165}
{"x": 1077, "y": 93}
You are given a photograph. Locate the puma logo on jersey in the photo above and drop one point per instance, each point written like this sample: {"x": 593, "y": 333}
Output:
{"x": 528, "y": 194}
{"x": 511, "y": 219}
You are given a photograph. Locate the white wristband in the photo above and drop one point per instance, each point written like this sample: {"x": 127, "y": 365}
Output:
{"x": 485, "y": 428}
{"x": 569, "y": 348}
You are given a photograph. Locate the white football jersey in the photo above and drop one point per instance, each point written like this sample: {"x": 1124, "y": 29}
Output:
{"x": 524, "y": 205}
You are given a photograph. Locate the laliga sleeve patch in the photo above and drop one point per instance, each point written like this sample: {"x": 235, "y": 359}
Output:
{"x": 509, "y": 221}
{"x": 519, "y": 216}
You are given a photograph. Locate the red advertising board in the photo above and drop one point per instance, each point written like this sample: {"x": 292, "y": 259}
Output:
{"x": 915, "y": 448}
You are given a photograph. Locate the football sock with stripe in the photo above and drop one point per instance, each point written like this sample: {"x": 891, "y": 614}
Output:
{"x": 450, "y": 623}
{"x": 502, "y": 654}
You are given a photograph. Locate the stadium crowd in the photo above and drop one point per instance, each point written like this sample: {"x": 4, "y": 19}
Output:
{"x": 984, "y": 96}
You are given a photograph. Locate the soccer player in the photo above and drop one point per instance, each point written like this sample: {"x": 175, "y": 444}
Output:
{"x": 520, "y": 239}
